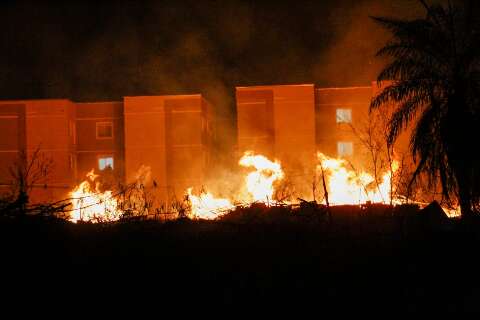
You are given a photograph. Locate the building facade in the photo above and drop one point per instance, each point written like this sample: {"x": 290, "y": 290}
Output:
{"x": 168, "y": 135}
{"x": 292, "y": 122}
{"x": 100, "y": 138}
{"x": 171, "y": 135}
{"x": 279, "y": 122}
{"x": 38, "y": 125}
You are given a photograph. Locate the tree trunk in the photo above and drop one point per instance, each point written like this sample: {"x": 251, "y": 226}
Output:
{"x": 464, "y": 197}
{"x": 460, "y": 130}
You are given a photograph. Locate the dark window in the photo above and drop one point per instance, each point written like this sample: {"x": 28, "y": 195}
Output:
{"x": 104, "y": 130}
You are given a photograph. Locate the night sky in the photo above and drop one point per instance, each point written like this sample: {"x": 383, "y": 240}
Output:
{"x": 92, "y": 51}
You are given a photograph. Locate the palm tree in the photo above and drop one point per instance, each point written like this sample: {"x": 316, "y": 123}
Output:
{"x": 434, "y": 81}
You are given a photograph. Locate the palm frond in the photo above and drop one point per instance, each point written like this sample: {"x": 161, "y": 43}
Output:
{"x": 426, "y": 144}
{"x": 400, "y": 91}
{"x": 403, "y": 116}
{"x": 409, "y": 69}
{"x": 434, "y": 68}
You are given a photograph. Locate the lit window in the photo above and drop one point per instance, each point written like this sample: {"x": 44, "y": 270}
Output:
{"x": 104, "y": 130}
{"x": 105, "y": 162}
{"x": 344, "y": 149}
{"x": 344, "y": 115}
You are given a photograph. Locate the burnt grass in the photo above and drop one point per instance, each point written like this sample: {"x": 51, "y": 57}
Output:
{"x": 359, "y": 260}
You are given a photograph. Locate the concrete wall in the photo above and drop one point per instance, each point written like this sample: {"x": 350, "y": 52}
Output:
{"x": 12, "y": 139}
{"x": 292, "y": 122}
{"x": 357, "y": 99}
{"x": 279, "y": 122}
{"x": 255, "y": 120}
{"x": 90, "y": 147}
{"x": 44, "y": 125}
{"x": 170, "y": 135}
{"x": 329, "y": 133}
{"x": 145, "y": 139}
{"x": 49, "y": 128}
{"x": 187, "y": 142}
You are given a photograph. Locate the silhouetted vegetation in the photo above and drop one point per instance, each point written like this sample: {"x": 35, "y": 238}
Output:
{"x": 434, "y": 79}
{"x": 365, "y": 258}
{"x": 27, "y": 172}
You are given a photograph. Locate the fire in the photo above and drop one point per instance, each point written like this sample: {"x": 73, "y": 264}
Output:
{"x": 452, "y": 212}
{"x": 206, "y": 206}
{"x": 90, "y": 204}
{"x": 260, "y": 182}
{"x": 346, "y": 186}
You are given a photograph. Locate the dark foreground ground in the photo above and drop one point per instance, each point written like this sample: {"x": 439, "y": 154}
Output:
{"x": 276, "y": 259}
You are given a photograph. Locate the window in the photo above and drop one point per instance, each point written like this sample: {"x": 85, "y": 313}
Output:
{"x": 344, "y": 115}
{"x": 105, "y": 162}
{"x": 104, "y": 130}
{"x": 344, "y": 148}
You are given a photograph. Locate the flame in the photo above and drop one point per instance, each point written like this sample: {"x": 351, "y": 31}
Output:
{"x": 260, "y": 182}
{"x": 453, "y": 212}
{"x": 90, "y": 204}
{"x": 259, "y": 185}
{"x": 206, "y": 206}
{"x": 346, "y": 186}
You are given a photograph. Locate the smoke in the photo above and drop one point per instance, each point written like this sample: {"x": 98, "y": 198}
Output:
{"x": 103, "y": 51}
{"x": 92, "y": 51}
{"x": 350, "y": 58}
{"x": 143, "y": 175}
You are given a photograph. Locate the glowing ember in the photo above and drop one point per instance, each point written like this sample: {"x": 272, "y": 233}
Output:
{"x": 260, "y": 182}
{"x": 206, "y": 206}
{"x": 452, "y": 212}
{"x": 90, "y": 204}
{"x": 346, "y": 186}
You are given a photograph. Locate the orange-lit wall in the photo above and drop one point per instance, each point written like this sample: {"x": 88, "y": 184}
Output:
{"x": 170, "y": 135}
{"x": 292, "y": 122}
{"x": 145, "y": 142}
{"x": 90, "y": 147}
{"x": 328, "y": 132}
{"x": 45, "y": 125}
{"x": 12, "y": 139}
{"x": 279, "y": 121}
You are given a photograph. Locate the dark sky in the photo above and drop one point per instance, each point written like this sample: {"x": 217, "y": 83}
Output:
{"x": 98, "y": 50}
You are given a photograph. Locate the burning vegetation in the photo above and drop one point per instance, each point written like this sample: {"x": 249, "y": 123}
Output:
{"x": 346, "y": 186}
{"x": 261, "y": 181}
{"x": 91, "y": 204}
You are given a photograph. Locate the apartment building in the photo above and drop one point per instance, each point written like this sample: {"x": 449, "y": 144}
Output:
{"x": 168, "y": 134}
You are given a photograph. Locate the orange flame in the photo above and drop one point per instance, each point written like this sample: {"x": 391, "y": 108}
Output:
{"x": 259, "y": 185}
{"x": 206, "y": 206}
{"x": 90, "y": 204}
{"x": 346, "y": 186}
{"x": 260, "y": 182}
